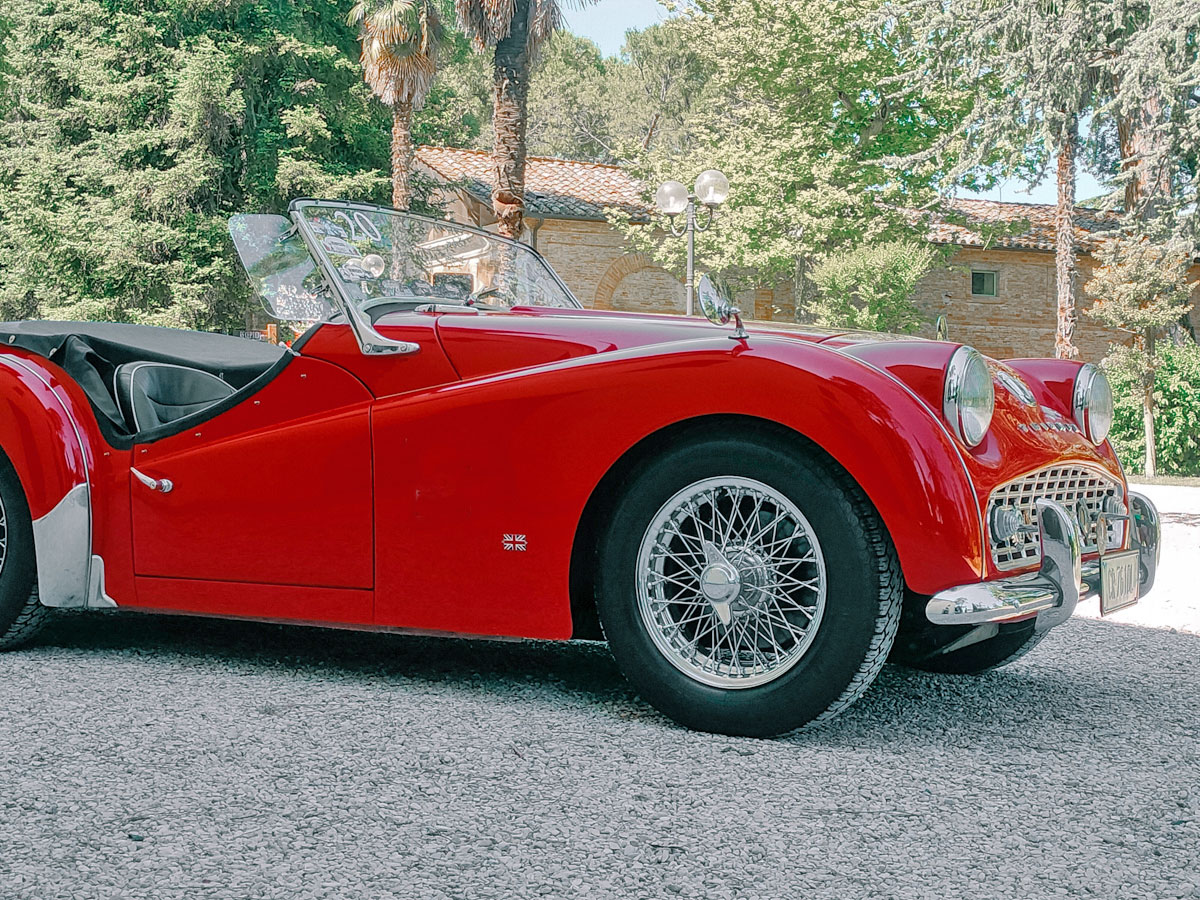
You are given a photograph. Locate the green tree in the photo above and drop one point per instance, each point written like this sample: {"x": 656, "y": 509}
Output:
{"x": 569, "y": 101}
{"x": 131, "y": 129}
{"x": 1176, "y": 446}
{"x": 870, "y": 287}
{"x": 400, "y": 44}
{"x": 1148, "y": 133}
{"x": 584, "y": 106}
{"x": 1033, "y": 70}
{"x": 1142, "y": 288}
{"x": 656, "y": 89}
{"x": 796, "y": 110}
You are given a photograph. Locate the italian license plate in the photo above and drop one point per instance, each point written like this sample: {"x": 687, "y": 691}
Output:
{"x": 1119, "y": 581}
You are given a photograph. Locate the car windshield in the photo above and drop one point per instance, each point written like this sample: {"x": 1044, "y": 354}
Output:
{"x": 384, "y": 260}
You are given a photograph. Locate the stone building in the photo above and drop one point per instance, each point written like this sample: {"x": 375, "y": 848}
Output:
{"x": 996, "y": 291}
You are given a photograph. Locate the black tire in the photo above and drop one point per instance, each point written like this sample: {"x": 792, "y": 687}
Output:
{"x": 864, "y": 590}
{"x": 919, "y": 651}
{"x": 21, "y": 614}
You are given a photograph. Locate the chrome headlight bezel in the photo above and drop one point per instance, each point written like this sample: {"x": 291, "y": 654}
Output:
{"x": 1092, "y": 403}
{"x": 968, "y": 396}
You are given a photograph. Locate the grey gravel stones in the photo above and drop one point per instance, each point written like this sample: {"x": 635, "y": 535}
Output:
{"x": 259, "y": 761}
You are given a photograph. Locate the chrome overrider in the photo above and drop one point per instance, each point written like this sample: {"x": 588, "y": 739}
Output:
{"x": 1063, "y": 580}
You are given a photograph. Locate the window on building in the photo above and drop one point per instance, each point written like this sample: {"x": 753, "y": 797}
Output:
{"x": 983, "y": 284}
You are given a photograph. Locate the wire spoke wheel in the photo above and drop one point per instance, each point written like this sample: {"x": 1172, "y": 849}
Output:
{"x": 3, "y": 535}
{"x": 731, "y": 582}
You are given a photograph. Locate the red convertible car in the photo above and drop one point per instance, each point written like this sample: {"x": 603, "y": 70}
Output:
{"x": 754, "y": 520}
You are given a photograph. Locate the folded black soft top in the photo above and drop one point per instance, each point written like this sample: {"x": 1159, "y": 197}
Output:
{"x": 91, "y": 351}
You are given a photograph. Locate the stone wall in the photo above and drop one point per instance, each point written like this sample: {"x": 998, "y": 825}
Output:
{"x": 603, "y": 273}
{"x": 1020, "y": 320}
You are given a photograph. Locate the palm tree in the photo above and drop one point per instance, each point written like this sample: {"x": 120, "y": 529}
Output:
{"x": 400, "y": 42}
{"x": 514, "y": 30}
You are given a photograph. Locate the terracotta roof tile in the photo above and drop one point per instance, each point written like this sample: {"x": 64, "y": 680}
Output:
{"x": 554, "y": 188}
{"x": 570, "y": 189}
{"x": 1031, "y": 225}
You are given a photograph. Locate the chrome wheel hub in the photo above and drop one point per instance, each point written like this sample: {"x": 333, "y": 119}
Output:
{"x": 731, "y": 582}
{"x": 720, "y": 582}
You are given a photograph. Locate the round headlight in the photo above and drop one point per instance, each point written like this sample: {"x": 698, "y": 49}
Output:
{"x": 968, "y": 399}
{"x": 1092, "y": 403}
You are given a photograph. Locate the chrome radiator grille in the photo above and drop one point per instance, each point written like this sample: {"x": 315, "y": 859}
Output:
{"x": 1081, "y": 491}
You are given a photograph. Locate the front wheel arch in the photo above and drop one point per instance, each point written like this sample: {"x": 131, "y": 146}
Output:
{"x": 603, "y": 500}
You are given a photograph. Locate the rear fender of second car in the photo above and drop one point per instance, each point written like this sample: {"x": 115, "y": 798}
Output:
{"x": 481, "y": 485}
{"x": 49, "y": 434}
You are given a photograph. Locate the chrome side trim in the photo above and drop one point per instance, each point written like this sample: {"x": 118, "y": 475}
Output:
{"x": 1050, "y": 593}
{"x": 62, "y": 543}
{"x": 1146, "y": 537}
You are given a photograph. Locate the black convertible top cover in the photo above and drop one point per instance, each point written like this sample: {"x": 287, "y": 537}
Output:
{"x": 91, "y": 351}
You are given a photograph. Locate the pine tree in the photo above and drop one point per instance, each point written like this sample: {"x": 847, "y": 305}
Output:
{"x": 1033, "y": 70}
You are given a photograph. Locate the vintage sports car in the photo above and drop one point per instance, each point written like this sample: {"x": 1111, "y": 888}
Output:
{"x": 754, "y": 520}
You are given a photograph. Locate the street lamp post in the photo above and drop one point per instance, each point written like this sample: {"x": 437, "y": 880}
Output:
{"x": 673, "y": 198}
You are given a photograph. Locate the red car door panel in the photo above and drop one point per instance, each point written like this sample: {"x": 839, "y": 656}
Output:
{"x": 277, "y": 490}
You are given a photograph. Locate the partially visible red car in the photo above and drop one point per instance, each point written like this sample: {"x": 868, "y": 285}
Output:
{"x": 754, "y": 520}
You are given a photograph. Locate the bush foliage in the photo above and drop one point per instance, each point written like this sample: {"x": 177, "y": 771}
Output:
{"x": 1177, "y": 409}
{"x": 870, "y": 287}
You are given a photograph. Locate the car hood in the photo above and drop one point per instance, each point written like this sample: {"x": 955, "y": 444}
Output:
{"x": 489, "y": 343}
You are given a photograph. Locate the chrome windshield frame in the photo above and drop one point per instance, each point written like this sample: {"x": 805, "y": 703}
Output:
{"x": 369, "y": 340}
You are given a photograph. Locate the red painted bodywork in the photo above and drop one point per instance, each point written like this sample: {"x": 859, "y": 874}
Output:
{"x": 376, "y": 491}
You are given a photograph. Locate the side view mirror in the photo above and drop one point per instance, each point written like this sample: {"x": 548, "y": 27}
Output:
{"x": 719, "y": 309}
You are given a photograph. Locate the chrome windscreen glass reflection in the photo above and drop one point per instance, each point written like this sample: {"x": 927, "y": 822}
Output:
{"x": 280, "y": 269}
{"x": 386, "y": 261}
{"x": 731, "y": 582}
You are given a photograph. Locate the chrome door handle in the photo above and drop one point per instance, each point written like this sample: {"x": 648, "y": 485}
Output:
{"x": 155, "y": 484}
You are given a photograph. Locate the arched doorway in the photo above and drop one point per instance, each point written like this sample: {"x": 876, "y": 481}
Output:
{"x": 638, "y": 284}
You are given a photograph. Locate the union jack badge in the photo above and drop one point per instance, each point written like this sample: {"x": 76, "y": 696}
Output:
{"x": 514, "y": 542}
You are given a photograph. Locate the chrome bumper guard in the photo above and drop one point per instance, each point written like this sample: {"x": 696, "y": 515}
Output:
{"x": 1053, "y": 591}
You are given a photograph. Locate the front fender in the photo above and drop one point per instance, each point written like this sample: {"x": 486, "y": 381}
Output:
{"x": 522, "y": 453}
{"x": 41, "y": 433}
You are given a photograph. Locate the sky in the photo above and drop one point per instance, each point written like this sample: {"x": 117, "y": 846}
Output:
{"x": 606, "y": 22}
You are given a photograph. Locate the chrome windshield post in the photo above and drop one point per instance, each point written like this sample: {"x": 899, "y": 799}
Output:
{"x": 370, "y": 341}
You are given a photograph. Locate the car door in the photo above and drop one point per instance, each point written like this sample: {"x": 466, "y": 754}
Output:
{"x": 276, "y": 491}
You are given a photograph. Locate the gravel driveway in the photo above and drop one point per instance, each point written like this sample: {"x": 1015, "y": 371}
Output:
{"x": 171, "y": 758}
{"x": 1175, "y": 600}
{"x": 161, "y": 758}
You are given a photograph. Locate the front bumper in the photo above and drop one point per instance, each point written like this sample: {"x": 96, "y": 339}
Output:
{"x": 1063, "y": 580}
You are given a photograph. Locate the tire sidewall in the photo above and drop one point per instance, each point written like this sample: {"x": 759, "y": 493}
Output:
{"x": 19, "y": 572}
{"x": 843, "y": 636}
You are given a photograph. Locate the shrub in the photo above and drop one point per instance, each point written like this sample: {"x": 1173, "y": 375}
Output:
{"x": 870, "y": 287}
{"x": 1176, "y": 413}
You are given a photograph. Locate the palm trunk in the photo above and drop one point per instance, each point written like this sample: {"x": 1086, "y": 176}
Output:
{"x": 1064, "y": 245}
{"x": 509, "y": 121}
{"x": 402, "y": 153}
